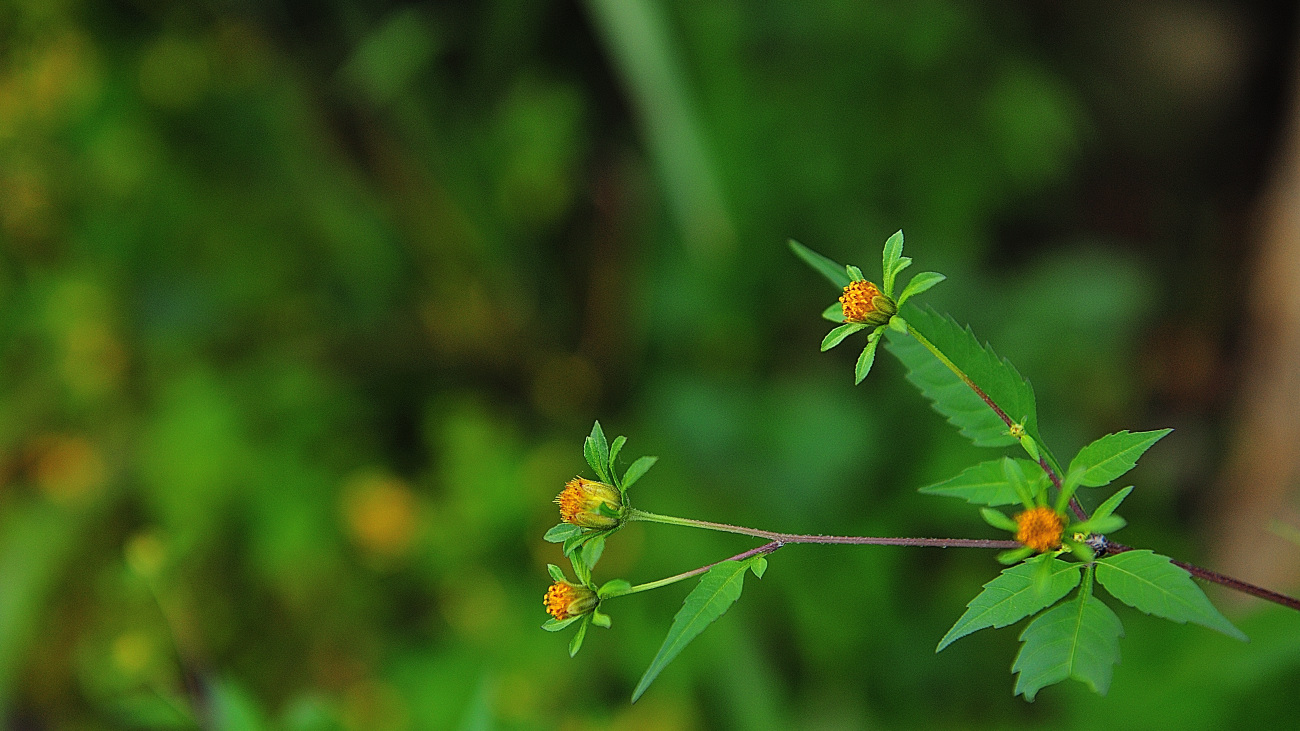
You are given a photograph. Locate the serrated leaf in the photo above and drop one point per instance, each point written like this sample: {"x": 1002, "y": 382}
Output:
{"x": 824, "y": 266}
{"x": 637, "y": 470}
{"x": 561, "y": 532}
{"x": 1015, "y": 594}
{"x": 950, "y": 395}
{"x": 865, "y": 359}
{"x": 836, "y": 336}
{"x": 834, "y": 313}
{"x": 889, "y": 257}
{"x": 1078, "y": 639}
{"x": 714, "y": 595}
{"x": 920, "y": 283}
{"x": 1113, "y": 455}
{"x": 556, "y": 572}
{"x": 983, "y": 484}
{"x": 1149, "y": 583}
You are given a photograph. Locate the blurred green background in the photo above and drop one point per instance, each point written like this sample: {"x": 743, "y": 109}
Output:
{"x": 307, "y": 307}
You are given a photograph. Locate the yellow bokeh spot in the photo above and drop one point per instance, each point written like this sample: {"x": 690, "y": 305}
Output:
{"x": 380, "y": 513}
{"x": 68, "y": 468}
{"x": 132, "y": 652}
{"x": 146, "y": 554}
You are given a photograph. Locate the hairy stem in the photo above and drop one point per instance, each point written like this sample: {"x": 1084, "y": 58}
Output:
{"x": 792, "y": 538}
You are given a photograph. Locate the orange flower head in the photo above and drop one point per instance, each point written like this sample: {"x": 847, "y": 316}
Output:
{"x": 1040, "y": 529}
{"x": 863, "y": 302}
{"x": 565, "y": 600}
{"x": 580, "y": 503}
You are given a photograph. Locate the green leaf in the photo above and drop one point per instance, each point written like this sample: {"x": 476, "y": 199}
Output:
{"x": 1015, "y": 594}
{"x": 1113, "y": 455}
{"x": 1149, "y": 583}
{"x": 984, "y": 484}
{"x": 999, "y": 520}
{"x": 637, "y": 469}
{"x": 600, "y": 619}
{"x": 834, "y": 313}
{"x": 836, "y": 336}
{"x": 1111, "y": 503}
{"x": 555, "y": 625}
{"x": 1014, "y": 555}
{"x": 1077, "y": 639}
{"x": 614, "y": 449}
{"x": 561, "y": 532}
{"x": 949, "y": 394}
{"x": 855, "y": 274}
{"x": 865, "y": 360}
{"x": 556, "y": 572}
{"x": 826, "y": 267}
{"x": 575, "y": 644}
{"x": 596, "y": 450}
{"x": 590, "y": 553}
{"x": 889, "y": 261}
{"x": 714, "y": 595}
{"x": 758, "y": 565}
{"x": 920, "y": 283}
{"x": 614, "y": 587}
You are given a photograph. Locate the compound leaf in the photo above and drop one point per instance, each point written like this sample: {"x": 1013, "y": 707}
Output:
{"x": 1149, "y": 583}
{"x": 1077, "y": 639}
{"x": 1015, "y": 594}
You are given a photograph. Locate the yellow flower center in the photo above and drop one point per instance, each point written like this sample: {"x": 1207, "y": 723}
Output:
{"x": 1040, "y": 529}
{"x": 581, "y": 500}
{"x": 564, "y": 600}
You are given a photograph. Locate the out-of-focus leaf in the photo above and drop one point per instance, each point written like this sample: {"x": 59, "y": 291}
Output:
{"x": 834, "y": 272}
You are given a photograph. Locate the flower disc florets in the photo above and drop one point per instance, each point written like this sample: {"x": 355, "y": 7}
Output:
{"x": 565, "y": 600}
{"x": 863, "y": 302}
{"x": 1040, "y": 529}
{"x": 582, "y": 500}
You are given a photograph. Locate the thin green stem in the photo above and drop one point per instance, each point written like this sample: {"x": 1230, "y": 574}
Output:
{"x": 765, "y": 548}
{"x": 791, "y": 538}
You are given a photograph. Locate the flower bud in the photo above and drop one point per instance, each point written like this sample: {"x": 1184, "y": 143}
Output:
{"x": 863, "y": 302}
{"x": 580, "y": 504}
{"x": 565, "y": 600}
{"x": 1040, "y": 529}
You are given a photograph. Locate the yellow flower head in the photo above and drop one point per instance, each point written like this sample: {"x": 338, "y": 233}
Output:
{"x": 565, "y": 600}
{"x": 863, "y": 302}
{"x": 581, "y": 500}
{"x": 1040, "y": 529}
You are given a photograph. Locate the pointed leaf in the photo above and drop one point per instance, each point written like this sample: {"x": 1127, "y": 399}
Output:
{"x": 560, "y": 532}
{"x": 920, "y": 283}
{"x": 836, "y": 336}
{"x": 1077, "y": 639}
{"x": 637, "y": 469}
{"x": 834, "y": 313}
{"x": 1113, "y": 455}
{"x": 714, "y": 595}
{"x": 555, "y": 625}
{"x": 1149, "y": 583}
{"x": 1111, "y": 503}
{"x": 889, "y": 261}
{"x": 614, "y": 587}
{"x": 999, "y": 520}
{"x": 950, "y": 395}
{"x": 596, "y": 450}
{"x": 576, "y": 643}
{"x": 865, "y": 360}
{"x": 1015, "y": 594}
{"x": 556, "y": 572}
{"x": 614, "y": 448}
{"x": 984, "y": 484}
{"x": 600, "y": 619}
{"x": 826, "y": 267}
{"x": 855, "y": 274}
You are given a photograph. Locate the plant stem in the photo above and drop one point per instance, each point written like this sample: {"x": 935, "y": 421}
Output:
{"x": 1220, "y": 579}
{"x": 791, "y": 538}
{"x": 1075, "y": 506}
{"x": 765, "y": 548}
